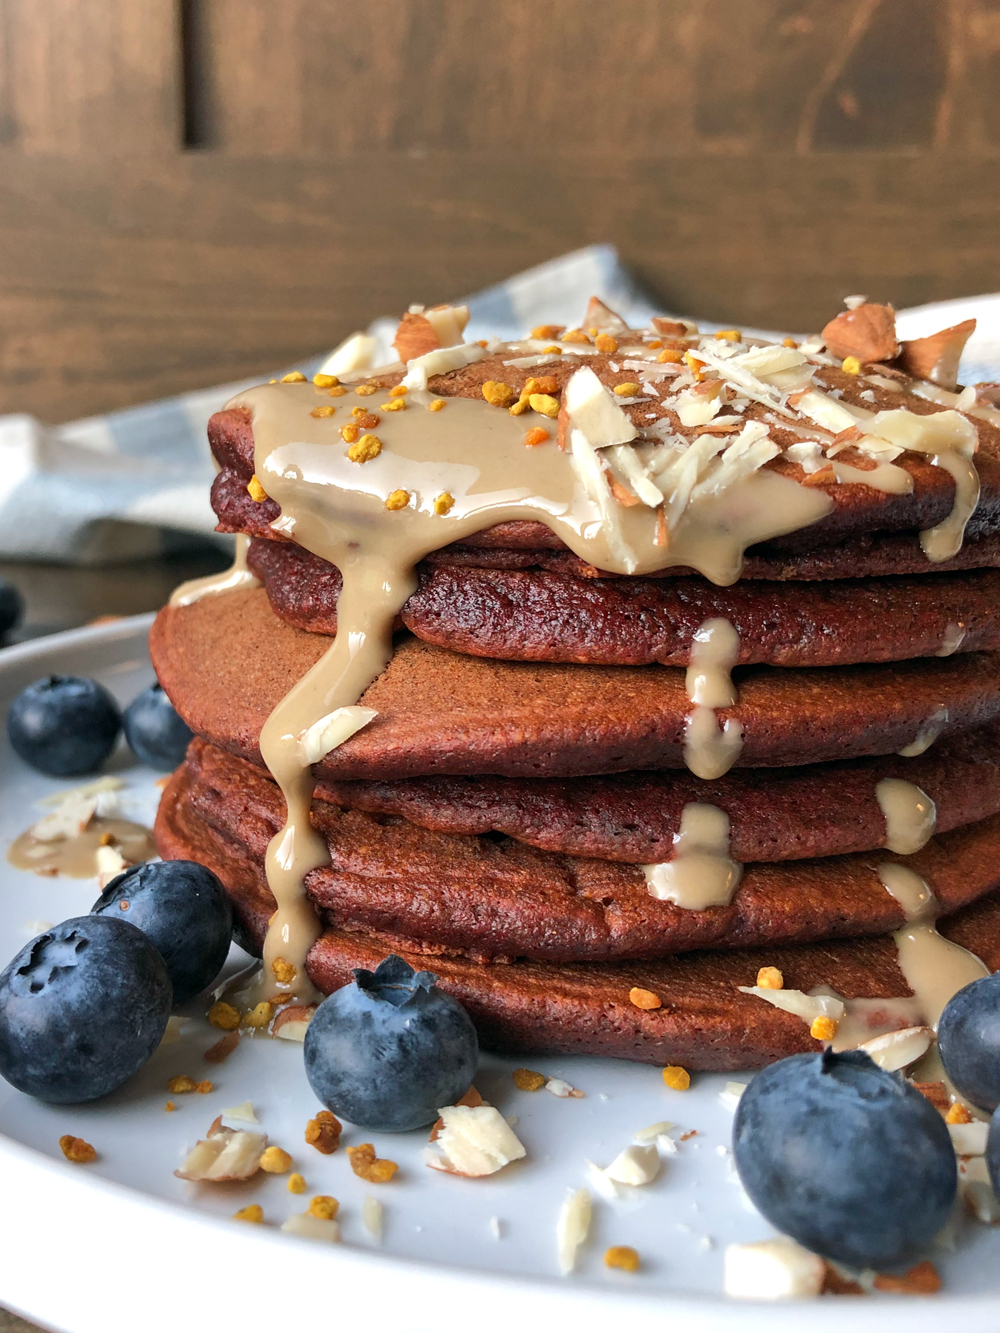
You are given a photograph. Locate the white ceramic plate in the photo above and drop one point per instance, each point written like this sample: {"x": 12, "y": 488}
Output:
{"x": 122, "y": 1242}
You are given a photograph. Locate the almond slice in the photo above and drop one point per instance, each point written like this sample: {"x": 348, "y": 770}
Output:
{"x": 226, "y": 1154}
{"x": 896, "y": 1050}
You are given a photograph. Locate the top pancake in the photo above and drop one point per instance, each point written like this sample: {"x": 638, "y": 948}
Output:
{"x": 226, "y": 661}
{"x": 858, "y": 511}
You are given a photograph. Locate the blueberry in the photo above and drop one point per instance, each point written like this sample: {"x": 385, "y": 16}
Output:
{"x": 993, "y": 1152}
{"x": 184, "y": 910}
{"x": 155, "y": 731}
{"x": 64, "y": 725}
{"x": 11, "y": 607}
{"x": 82, "y": 1007}
{"x": 969, "y": 1041}
{"x": 388, "y": 1050}
{"x": 847, "y": 1159}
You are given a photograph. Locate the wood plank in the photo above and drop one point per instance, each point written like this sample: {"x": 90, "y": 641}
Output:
{"x": 121, "y": 281}
{"x": 85, "y": 78}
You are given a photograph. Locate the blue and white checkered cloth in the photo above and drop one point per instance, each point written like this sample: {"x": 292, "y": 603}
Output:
{"x": 135, "y": 483}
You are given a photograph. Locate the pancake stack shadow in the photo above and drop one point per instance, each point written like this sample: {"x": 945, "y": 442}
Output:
{"x": 503, "y": 818}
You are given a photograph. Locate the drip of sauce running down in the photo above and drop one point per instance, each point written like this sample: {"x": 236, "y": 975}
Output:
{"x": 455, "y": 472}
{"x": 935, "y": 969}
{"x": 76, "y": 855}
{"x": 711, "y": 750}
{"x": 927, "y": 735}
{"x": 910, "y": 815}
{"x": 236, "y": 576}
{"x": 702, "y": 873}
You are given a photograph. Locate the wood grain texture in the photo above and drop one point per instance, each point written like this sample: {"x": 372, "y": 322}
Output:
{"x": 754, "y": 162}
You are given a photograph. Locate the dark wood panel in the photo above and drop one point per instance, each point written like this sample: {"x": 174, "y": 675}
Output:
{"x": 89, "y": 76}
{"x": 120, "y": 280}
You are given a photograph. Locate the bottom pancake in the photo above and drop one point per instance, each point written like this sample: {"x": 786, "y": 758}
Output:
{"x": 492, "y": 897}
{"x": 704, "y": 1023}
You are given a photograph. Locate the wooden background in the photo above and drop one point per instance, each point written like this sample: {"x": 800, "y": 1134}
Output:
{"x": 195, "y": 190}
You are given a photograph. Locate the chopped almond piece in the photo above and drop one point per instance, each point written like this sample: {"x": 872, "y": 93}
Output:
{"x": 365, "y": 1164}
{"x": 867, "y": 332}
{"x": 225, "y": 1154}
{"x": 415, "y": 337}
{"x": 670, "y": 328}
{"x": 936, "y": 1094}
{"x": 323, "y": 1133}
{"x": 824, "y": 476}
{"x": 471, "y": 1098}
{"x": 292, "y": 1022}
{"x": 223, "y": 1047}
{"x": 936, "y": 357}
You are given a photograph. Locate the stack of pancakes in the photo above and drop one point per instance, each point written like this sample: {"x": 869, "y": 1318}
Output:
{"x": 500, "y": 818}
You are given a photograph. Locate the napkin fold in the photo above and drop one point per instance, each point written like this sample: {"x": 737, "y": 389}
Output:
{"x": 134, "y": 483}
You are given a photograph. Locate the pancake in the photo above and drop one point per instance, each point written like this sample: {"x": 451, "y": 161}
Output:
{"x": 492, "y": 897}
{"x": 531, "y": 546}
{"x": 225, "y": 661}
{"x": 858, "y": 510}
{"x": 540, "y": 616}
{"x": 775, "y": 814}
{"x": 705, "y": 1022}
